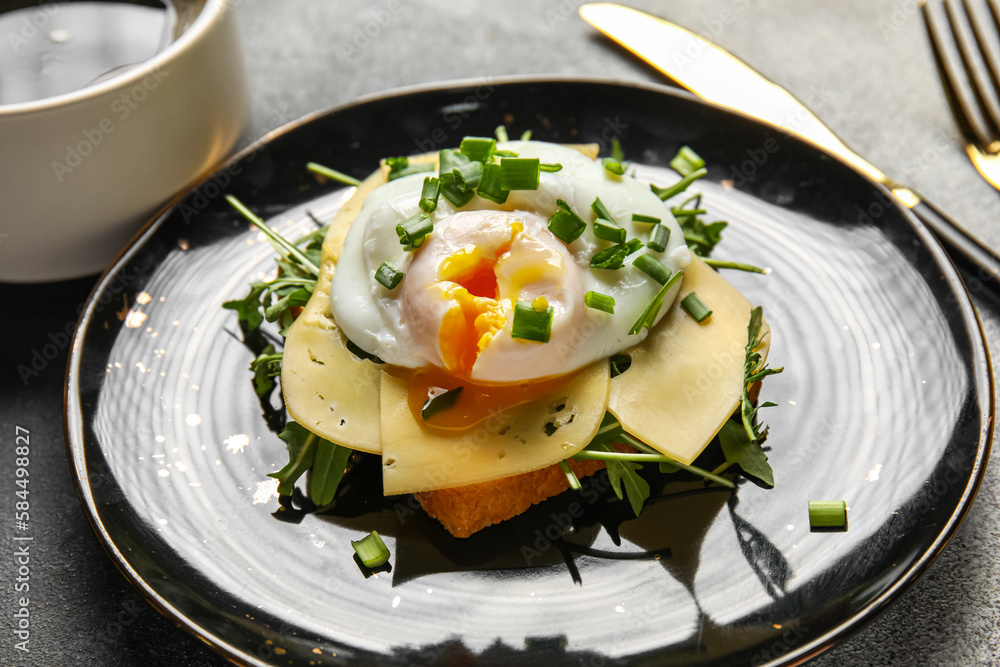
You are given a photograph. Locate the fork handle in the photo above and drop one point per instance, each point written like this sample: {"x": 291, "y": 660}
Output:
{"x": 979, "y": 265}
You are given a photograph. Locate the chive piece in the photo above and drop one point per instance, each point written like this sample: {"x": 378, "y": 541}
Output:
{"x": 467, "y": 176}
{"x": 501, "y": 133}
{"x": 453, "y": 193}
{"x": 612, "y": 258}
{"x": 658, "y": 237}
{"x": 680, "y": 186}
{"x": 553, "y": 167}
{"x": 686, "y": 161}
{"x": 450, "y": 159}
{"x": 371, "y": 550}
{"x": 620, "y": 363}
{"x": 648, "y": 317}
{"x": 646, "y": 219}
{"x": 388, "y": 276}
{"x": 414, "y": 230}
{"x": 599, "y": 301}
{"x": 571, "y": 478}
{"x": 478, "y": 149}
{"x": 601, "y": 210}
{"x": 439, "y": 402}
{"x": 526, "y": 135}
{"x": 397, "y": 163}
{"x": 652, "y": 267}
{"x": 616, "y": 151}
{"x": 531, "y": 324}
{"x": 520, "y": 173}
{"x": 827, "y": 514}
{"x": 725, "y": 264}
{"x": 400, "y": 166}
{"x": 332, "y": 174}
{"x": 277, "y": 241}
{"x": 608, "y": 231}
{"x": 682, "y": 212}
{"x": 695, "y": 307}
{"x": 489, "y": 184}
{"x": 501, "y": 154}
{"x": 429, "y": 194}
{"x": 613, "y": 166}
{"x": 566, "y": 225}
{"x": 632, "y": 245}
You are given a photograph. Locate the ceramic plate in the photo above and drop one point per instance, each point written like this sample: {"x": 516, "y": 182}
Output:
{"x": 885, "y": 402}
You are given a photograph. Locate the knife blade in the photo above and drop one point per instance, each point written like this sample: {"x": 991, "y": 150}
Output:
{"x": 715, "y": 75}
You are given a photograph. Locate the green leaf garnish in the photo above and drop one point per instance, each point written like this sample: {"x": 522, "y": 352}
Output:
{"x": 613, "y": 166}
{"x": 652, "y": 267}
{"x": 266, "y": 366}
{"x": 724, "y": 264}
{"x": 429, "y": 194}
{"x": 531, "y": 323}
{"x": 648, "y": 317}
{"x": 746, "y": 453}
{"x": 332, "y": 174}
{"x": 480, "y": 149}
{"x": 282, "y": 246}
{"x": 827, "y": 514}
{"x": 659, "y": 235}
{"x": 414, "y": 230}
{"x": 695, "y": 307}
{"x": 371, "y": 550}
{"x": 388, "y": 276}
{"x": 565, "y": 224}
{"x": 754, "y": 369}
{"x": 599, "y": 301}
{"x": 646, "y": 219}
{"x": 519, "y": 173}
{"x": 490, "y": 184}
{"x": 686, "y": 162}
{"x": 608, "y": 231}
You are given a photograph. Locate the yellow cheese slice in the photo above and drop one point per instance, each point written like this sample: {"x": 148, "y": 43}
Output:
{"x": 510, "y": 443}
{"x": 686, "y": 378}
{"x": 327, "y": 389}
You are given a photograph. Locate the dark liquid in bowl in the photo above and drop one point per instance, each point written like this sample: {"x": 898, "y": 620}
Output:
{"x": 51, "y": 49}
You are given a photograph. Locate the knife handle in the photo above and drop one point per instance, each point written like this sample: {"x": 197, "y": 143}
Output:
{"x": 980, "y": 266}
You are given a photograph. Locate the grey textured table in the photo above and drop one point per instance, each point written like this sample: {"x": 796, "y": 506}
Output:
{"x": 866, "y": 67}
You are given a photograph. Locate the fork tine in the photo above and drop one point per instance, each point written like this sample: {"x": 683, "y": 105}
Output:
{"x": 963, "y": 103}
{"x": 987, "y": 55}
{"x": 982, "y": 86}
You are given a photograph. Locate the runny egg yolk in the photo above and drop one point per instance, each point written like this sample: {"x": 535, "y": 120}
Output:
{"x": 464, "y": 284}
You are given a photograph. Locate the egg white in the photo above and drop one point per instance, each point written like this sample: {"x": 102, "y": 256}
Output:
{"x": 381, "y": 323}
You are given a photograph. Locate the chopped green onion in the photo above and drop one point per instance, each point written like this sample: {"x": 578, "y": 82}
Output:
{"x": 277, "y": 241}
{"x": 601, "y": 210}
{"x": 467, "y": 176}
{"x": 695, "y": 307}
{"x": 827, "y": 514}
{"x": 505, "y": 154}
{"x": 553, "y": 167}
{"x": 571, "y": 478}
{"x": 680, "y": 186}
{"x": 608, "y": 231}
{"x": 599, "y": 301}
{"x": 501, "y": 133}
{"x": 400, "y": 166}
{"x": 682, "y": 212}
{"x": 388, "y": 276}
{"x": 648, "y": 317}
{"x": 611, "y": 258}
{"x": 658, "y": 237}
{"x": 450, "y": 159}
{"x": 414, "y": 230}
{"x": 332, "y": 174}
{"x": 478, "y": 149}
{"x": 453, "y": 192}
{"x": 632, "y": 245}
{"x": 566, "y": 225}
{"x": 613, "y": 166}
{"x": 397, "y": 163}
{"x": 439, "y": 402}
{"x": 647, "y": 219}
{"x": 520, "y": 173}
{"x": 531, "y": 324}
{"x": 616, "y": 151}
{"x": 489, "y": 184}
{"x": 526, "y": 135}
{"x": 643, "y": 457}
{"x": 686, "y": 161}
{"x": 652, "y": 267}
{"x": 724, "y": 264}
{"x": 429, "y": 194}
{"x": 371, "y": 550}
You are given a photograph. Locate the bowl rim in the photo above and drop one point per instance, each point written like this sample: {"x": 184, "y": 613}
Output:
{"x": 211, "y": 13}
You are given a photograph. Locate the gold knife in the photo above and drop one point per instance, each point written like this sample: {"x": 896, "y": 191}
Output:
{"x": 715, "y": 75}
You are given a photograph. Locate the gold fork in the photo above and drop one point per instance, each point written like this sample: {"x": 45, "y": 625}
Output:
{"x": 967, "y": 51}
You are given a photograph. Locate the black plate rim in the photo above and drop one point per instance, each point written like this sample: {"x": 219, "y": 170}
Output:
{"x": 981, "y": 359}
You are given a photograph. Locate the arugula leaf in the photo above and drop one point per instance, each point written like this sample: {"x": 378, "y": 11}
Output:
{"x": 308, "y": 450}
{"x": 701, "y": 238}
{"x": 265, "y": 368}
{"x": 620, "y": 471}
{"x": 746, "y": 453}
{"x": 248, "y": 309}
{"x": 754, "y": 370}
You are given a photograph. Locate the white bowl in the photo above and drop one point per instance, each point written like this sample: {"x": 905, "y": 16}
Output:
{"x": 81, "y": 172}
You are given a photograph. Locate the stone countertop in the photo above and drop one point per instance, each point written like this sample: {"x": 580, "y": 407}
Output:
{"x": 865, "y": 66}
